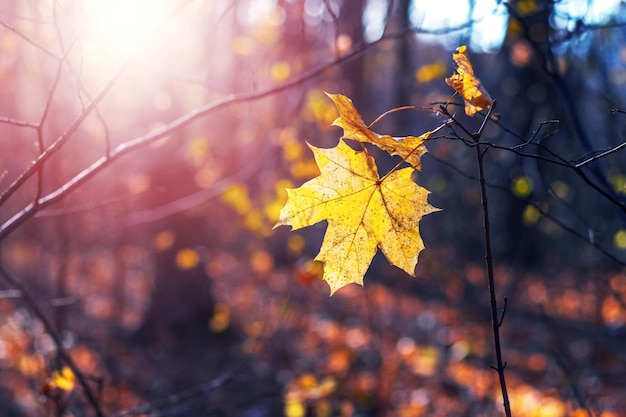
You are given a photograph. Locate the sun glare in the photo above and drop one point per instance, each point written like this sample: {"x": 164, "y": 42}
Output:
{"x": 120, "y": 27}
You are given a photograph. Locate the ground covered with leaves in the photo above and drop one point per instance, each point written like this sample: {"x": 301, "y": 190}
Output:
{"x": 276, "y": 344}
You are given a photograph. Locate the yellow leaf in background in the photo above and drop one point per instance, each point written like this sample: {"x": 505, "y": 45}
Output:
{"x": 429, "y": 72}
{"x": 303, "y": 169}
{"x": 271, "y": 210}
{"x": 294, "y": 407}
{"x": 64, "y": 380}
{"x": 292, "y": 151}
{"x": 319, "y": 110}
{"x": 237, "y": 197}
{"x": 410, "y": 148}
{"x": 467, "y": 85}
{"x": 253, "y": 220}
{"x": 364, "y": 213}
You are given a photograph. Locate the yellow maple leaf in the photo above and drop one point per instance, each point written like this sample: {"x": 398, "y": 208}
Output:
{"x": 410, "y": 148}
{"x": 364, "y": 212}
{"x": 467, "y": 84}
{"x": 64, "y": 379}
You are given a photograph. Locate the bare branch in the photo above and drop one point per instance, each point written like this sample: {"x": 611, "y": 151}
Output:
{"x": 18, "y": 123}
{"x": 333, "y": 15}
{"x": 601, "y": 155}
{"x": 56, "y": 338}
{"x": 29, "y": 40}
{"x": 551, "y": 68}
{"x": 583, "y": 237}
{"x": 558, "y": 160}
{"x": 495, "y": 322}
{"x": 506, "y": 303}
{"x": 618, "y": 111}
{"x": 156, "y": 406}
{"x": 73, "y": 127}
{"x": 4, "y": 294}
{"x": 61, "y": 140}
{"x": 144, "y": 140}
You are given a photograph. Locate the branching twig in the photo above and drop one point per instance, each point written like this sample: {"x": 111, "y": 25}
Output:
{"x": 556, "y": 159}
{"x": 506, "y": 302}
{"x": 496, "y": 322}
{"x": 618, "y": 111}
{"x": 337, "y": 26}
{"x": 56, "y": 338}
{"x": 29, "y": 40}
{"x": 542, "y": 212}
{"x": 600, "y": 155}
{"x": 18, "y": 123}
{"x": 550, "y": 67}
{"x": 180, "y": 397}
{"x": 139, "y": 142}
{"x": 38, "y": 163}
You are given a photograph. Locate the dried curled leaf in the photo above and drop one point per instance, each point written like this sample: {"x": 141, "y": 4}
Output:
{"x": 467, "y": 84}
{"x": 364, "y": 213}
{"x": 410, "y": 148}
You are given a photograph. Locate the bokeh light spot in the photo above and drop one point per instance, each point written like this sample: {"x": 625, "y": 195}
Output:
{"x": 241, "y": 45}
{"x": 522, "y": 187}
{"x": 163, "y": 240}
{"x": 221, "y": 318}
{"x": 261, "y": 262}
{"x": 187, "y": 258}
{"x": 619, "y": 240}
{"x": 138, "y": 183}
{"x": 295, "y": 243}
{"x": 531, "y": 215}
{"x": 280, "y": 71}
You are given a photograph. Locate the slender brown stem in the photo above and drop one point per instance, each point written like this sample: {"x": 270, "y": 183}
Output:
{"x": 495, "y": 321}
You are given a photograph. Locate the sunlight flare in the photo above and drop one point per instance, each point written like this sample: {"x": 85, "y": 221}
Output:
{"x": 120, "y": 27}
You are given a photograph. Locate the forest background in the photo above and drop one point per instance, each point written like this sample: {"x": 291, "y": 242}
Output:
{"x": 145, "y": 151}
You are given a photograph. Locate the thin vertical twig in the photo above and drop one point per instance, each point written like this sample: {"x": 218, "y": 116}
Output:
{"x": 496, "y": 320}
{"x": 335, "y": 18}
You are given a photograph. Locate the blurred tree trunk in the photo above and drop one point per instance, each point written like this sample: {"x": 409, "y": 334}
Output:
{"x": 182, "y": 301}
{"x": 527, "y": 93}
{"x": 405, "y": 81}
{"x": 352, "y": 72}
